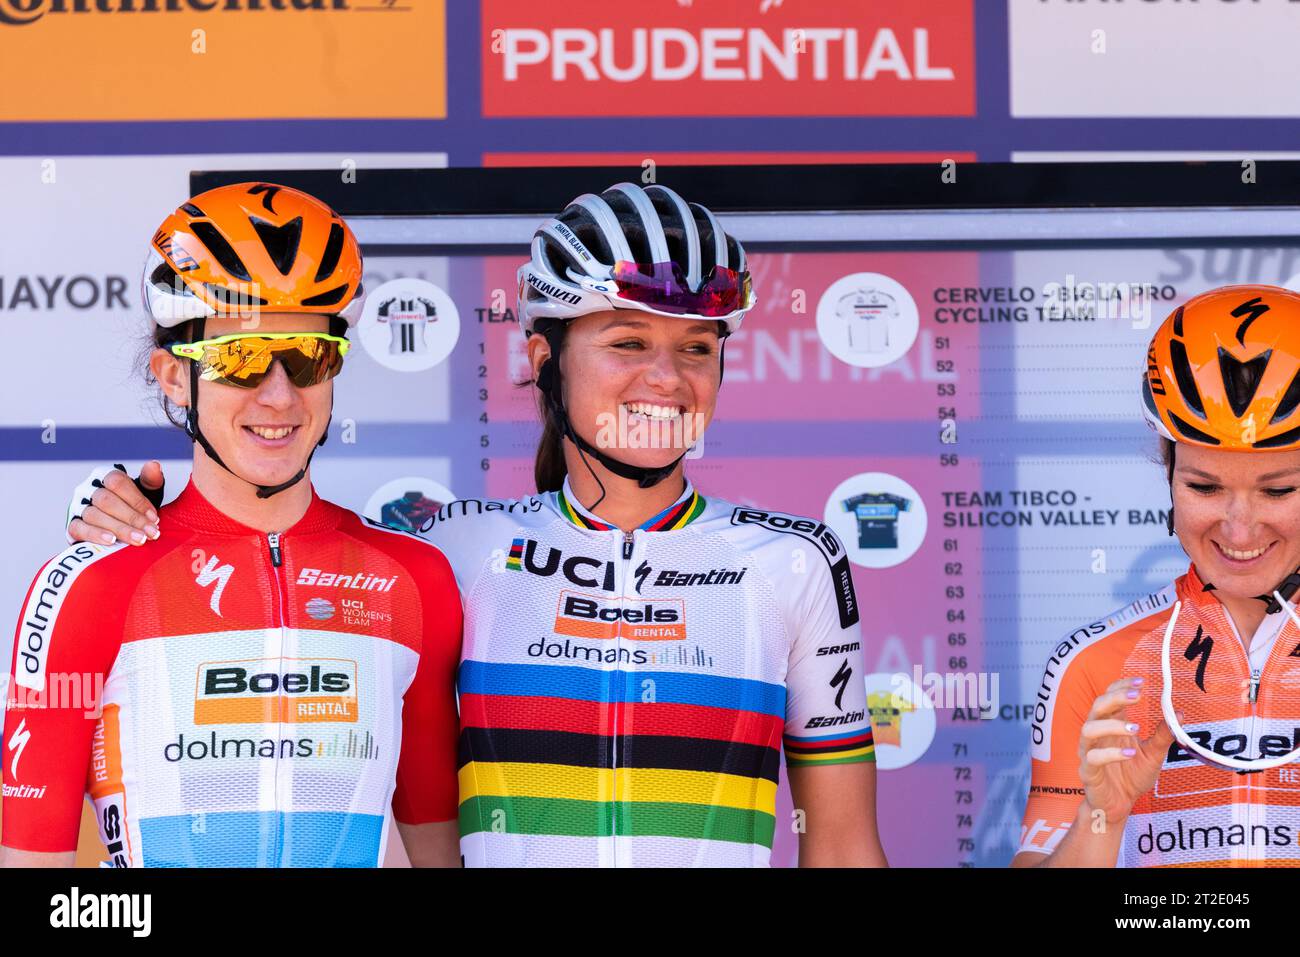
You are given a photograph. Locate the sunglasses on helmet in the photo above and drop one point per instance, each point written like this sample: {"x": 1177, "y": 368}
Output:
{"x": 662, "y": 287}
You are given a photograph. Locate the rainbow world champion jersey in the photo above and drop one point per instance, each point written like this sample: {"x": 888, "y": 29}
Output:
{"x": 624, "y": 697}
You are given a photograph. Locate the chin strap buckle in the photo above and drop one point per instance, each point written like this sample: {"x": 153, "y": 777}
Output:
{"x": 1288, "y": 588}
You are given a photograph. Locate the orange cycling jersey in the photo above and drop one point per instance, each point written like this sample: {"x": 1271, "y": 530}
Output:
{"x": 1240, "y": 703}
{"x": 236, "y": 699}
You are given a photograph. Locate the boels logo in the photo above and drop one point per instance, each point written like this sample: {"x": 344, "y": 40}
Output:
{"x": 275, "y": 690}
{"x": 599, "y": 616}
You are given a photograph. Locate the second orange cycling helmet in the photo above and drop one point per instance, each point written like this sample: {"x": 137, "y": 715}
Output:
{"x": 1223, "y": 371}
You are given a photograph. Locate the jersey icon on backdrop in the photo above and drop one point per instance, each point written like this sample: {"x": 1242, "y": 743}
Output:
{"x": 867, "y": 319}
{"x": 407, "y": 504}
{"x": 877, "y": 517}
{"x": 902, "y": 719}
{"x": 880, "y": 518}
{"x": 409, "y": 325}
{"x": 406, "y": 319}
{"x": 866, "y": 314}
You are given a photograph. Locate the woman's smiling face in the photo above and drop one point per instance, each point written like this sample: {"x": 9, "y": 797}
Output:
{"x": 1237, "y": 515}
{"x": 656, "y": 374}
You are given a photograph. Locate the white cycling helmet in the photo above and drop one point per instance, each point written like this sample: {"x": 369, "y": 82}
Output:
{"x": 634, "y": 248}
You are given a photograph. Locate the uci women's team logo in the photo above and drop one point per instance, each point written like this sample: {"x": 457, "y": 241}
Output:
{"x": 276, "y": 690}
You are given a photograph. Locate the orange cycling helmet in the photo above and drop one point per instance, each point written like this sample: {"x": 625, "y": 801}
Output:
{"x": 1223, "y": 370}
{"x": 252, "y": 247}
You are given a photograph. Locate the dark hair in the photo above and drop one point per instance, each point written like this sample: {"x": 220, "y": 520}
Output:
{"x": 549, "y": 466}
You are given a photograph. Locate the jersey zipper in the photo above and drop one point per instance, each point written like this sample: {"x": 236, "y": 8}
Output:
{"x": 277, "y": 578}
{"x": 628, "y": 545}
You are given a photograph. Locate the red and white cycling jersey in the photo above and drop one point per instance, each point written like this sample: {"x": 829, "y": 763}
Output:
{"x": 263, "y": 700}
{"x": 1237, "y": 700}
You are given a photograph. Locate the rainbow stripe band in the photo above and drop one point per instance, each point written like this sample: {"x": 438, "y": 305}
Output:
{"x": 830, "y": 749}
{"x": 675, "y": 516}
{"x": 587, "y": 684}
{"x": 700, "y": 760}
{"x": 524, "y": 815}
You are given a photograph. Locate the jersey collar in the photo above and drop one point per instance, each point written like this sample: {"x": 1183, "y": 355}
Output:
{"x": 681, "y": 513}
{"x": 191, "y": 508}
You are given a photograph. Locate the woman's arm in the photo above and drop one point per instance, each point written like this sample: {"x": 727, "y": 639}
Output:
{"x": 1109, "y": 767}
{"x": 431, "y": 845}
{"x": 835, "y": 808}
{"x": 9, "y": 857}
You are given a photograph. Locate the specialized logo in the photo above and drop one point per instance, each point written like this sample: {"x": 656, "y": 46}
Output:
{"x": 1252, "y": 309}
{"x": 578, "y": 569}
{"x": 603, "y": 617}
{"x": 17, "y": 744}
{"x": 275, "y": 690}
{"x": 841, "y": 681}
{"x": 1199, "y": 647}
{"x": 211, "y": 573}
{"x": 357, "y": 581}
{"x": 827, "y": 543}
{"x": 551, "y": 290}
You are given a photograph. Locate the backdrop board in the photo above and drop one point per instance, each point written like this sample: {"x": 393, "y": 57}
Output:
{"x": 943, "y": 371}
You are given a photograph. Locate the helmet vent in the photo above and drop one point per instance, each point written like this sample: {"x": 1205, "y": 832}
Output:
{"x": 232, "y": 298}
{"x": 329, "y": 259}
{"x": 1178, "y": 322}
{"x": 281, "y": 242}
{"x": 191, "y": 210}
{"x": 1191, "y": 432}
{"x": 1279, "y": 441}
{"x": 221, "y": 250}
{"x": 1241, "y": 379}
{"x": 1289, "y": 401}
{"x": 1183, "y": 376}
{"x": 330, "y": 298}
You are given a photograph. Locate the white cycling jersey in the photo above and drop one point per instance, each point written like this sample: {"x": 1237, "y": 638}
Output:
{"x": 624, "y": 696}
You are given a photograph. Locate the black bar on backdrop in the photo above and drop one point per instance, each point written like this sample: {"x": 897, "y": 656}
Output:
{"x": 796, "y": 188}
